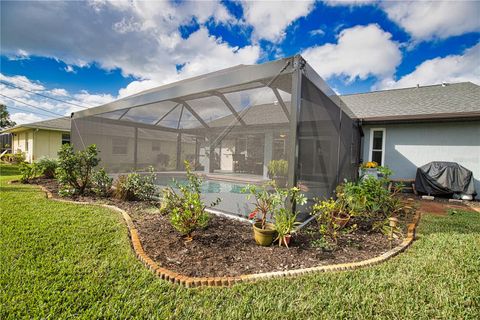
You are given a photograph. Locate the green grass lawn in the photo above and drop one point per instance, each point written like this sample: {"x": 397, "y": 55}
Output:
{"x": 62, "y": 260}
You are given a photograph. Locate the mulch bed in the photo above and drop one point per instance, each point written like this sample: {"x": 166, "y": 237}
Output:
{"x": 226, "y": 246}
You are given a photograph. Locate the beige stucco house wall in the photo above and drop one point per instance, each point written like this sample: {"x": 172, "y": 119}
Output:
{"x": 40, "y": 139}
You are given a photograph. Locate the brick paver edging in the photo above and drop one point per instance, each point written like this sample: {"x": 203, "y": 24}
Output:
{"x": 191, "y": 282}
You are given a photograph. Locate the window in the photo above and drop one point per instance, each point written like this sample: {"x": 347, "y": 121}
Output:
{"x": 155, "y": 146}
{"x": 65, "y": 138}
{"x": 377, "y": 146}
{"x": 26, "y": 141}
{"x": 119, "y": 145}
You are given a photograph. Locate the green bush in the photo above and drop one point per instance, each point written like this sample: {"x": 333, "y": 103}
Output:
{"x": 18, "y": 157}
{"x": 285, "y": 217}
{"x": 75, "y": 169}
{"x": 368, "y": 202}
{"x": 277, "y": 168}
{"x": 101, "y": 183}
{"x": 7, "y": 157}
{"x": 28, "y": 171}
{"x": 136, "y": 186}
{"x": 47, "y": 167}
{"x": 187, "y": 210}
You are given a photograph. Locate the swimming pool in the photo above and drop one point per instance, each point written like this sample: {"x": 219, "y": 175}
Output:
{"x": 233, "y": 200}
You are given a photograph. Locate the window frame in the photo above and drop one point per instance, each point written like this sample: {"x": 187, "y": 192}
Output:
{"x": 116, "y": 145}
{"x": 371, "y": 150}
{"x": 64, "y": 139}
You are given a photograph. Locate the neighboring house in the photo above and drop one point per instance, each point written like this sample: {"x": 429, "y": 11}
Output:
{"x": 40, "y": 139}
{"x": 407, "y": 128}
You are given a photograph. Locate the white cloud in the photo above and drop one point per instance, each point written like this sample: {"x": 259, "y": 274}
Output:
{"x": 69, "y": 69}
{"x": 22, "y": 117}
{"x": 348, "y": 2}
{"x": 360, "y": 52}
{"x": 426, "y": 20}
{"x": 59, "y": 92}
{"x": 452, "y": 68}
{"x": 52, "y": 108}
{"x": 317, "y": 32}
{"x": 141, "y": 38}
{"x": 270, "y": 18}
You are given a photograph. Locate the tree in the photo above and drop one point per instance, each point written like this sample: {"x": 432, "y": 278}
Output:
{"x": 5, "y": 121}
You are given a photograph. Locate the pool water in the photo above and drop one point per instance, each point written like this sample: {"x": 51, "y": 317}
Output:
{"x": 208, "y": 186}
{"x": 233, "y": 200}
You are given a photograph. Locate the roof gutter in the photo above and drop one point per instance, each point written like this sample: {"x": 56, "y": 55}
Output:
{"x": 424, "y": 118}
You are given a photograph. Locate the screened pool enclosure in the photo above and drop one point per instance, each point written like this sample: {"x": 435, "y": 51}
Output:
{"x": 231, "y": 124}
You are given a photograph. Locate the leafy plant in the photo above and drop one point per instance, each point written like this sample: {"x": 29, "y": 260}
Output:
{"x": 101, "y": 183}
{"x": 325, "y": 212}
{"x": 265, "y": 201}
{"x": 186, "y": 209}
{"x": 47, "y": 167}
{"x": 277, "y": 168}
{"x": 323, "y": 244}
{"x": 285, "y": 217}
{"x": 169, "y": 201}
{"x": 18, "y": 157}
{"x": 29, "y": 171}
{"x": 75, "y": 169}
{"x": 136, "y": 186}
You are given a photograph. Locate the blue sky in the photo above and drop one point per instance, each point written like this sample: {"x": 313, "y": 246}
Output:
{"x": 89, "y": 53}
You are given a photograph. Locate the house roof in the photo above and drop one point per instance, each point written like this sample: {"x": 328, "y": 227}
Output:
{"x": 455, "y": 100}
{"x": 57, "y": 124}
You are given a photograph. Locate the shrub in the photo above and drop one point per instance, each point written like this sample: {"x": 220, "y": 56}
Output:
{"x": 47, "y": 167}
{"x": 28, "y": 171}
{"x": 187, "y": 210}
{"x": 265, "y": 201}
{"x": 136, "y": 186}
{"x": 285, "y": 217}
{"x": 18, "y": 157}
{"x": 101, "y": 183}
{"x": 7, "y": 157}
{"x": 277, "y": 168}
{"x": 75, "y": 169}
{"x": 368, "y": 202}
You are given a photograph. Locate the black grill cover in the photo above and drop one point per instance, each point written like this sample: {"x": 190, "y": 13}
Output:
{"x": 444, "y": 178}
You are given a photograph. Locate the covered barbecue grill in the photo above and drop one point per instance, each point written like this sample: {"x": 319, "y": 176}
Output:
{"x": 445, "y": 178}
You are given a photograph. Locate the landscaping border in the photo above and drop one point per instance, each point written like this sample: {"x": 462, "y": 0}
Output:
{"x": 191, "y": 282}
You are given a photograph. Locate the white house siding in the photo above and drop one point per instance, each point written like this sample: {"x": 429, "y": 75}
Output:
{"x": 20, "y": 141}
{"x": 41, "y": 143}
{"x": 47, "y": 143}
{"x": 409, "y": 146}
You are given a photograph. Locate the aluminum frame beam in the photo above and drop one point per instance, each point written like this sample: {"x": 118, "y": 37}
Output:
{"x": 281, "y": 102}
{"x": 166, "y": 114}
{"x": 196, "y": 115}
{"x": 230, "y": 107}
{"x": 212, "y": 82}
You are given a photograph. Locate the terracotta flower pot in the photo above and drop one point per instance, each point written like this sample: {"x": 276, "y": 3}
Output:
{"x": 264, "y": 237}
{"x": 285, "y": 241}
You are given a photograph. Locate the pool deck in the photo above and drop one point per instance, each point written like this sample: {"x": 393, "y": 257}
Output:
{"x": 236, "y": 177}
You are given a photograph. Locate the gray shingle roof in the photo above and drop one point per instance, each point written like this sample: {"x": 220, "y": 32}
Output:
{"x": 452, "y": 99}
{"x": 59, "y": 124}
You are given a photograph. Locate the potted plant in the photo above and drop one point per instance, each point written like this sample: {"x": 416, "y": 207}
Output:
{"x": 369, "y": 169}
{"x": 278, "y": 171}
{"x": 285, "y": 217}
{"x": 277, "y": 202}
{"x": 264, "y": 232}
